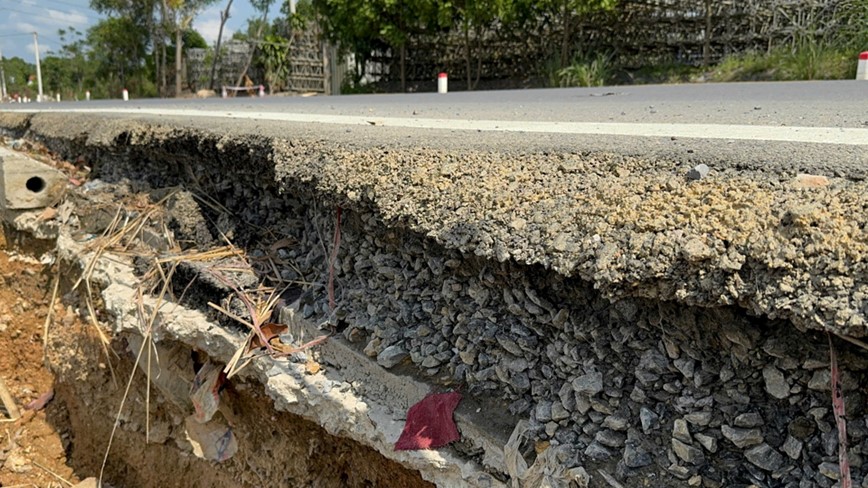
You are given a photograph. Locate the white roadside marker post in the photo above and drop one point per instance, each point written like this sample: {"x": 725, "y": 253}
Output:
{"x": 87, "y": 95}
{"x": 442, "y": 83}
{"x": 126, "y": 95}
{"x": 862, "y": 67}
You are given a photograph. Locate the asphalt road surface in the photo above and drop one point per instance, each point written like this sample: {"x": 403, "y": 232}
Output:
{"x": 821, "y": 122}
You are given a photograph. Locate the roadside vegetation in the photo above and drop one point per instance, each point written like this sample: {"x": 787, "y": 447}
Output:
{"x": 141, "y": 46}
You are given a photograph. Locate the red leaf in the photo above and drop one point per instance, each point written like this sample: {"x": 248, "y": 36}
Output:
{"x": 429, "y": 423}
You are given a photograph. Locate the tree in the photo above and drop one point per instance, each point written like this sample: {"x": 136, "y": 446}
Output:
{"x": 274, "y": 55}
{"x": 118, "y": 47}
{"x": 224, "y": 16}
{"x": 183, "y": 13}
{"x": 261, "y": 6}
{"x": 569, "y": 12}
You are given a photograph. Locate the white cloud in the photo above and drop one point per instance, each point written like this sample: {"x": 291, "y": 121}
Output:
{"x": 26, "y": 27}
{"x": 67, "y": 18}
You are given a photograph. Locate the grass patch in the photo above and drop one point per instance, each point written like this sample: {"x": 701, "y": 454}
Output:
{"x": 808, "y": 61}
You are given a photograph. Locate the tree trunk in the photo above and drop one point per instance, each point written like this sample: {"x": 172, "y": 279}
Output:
{"x": 467, "y": 59}
{"x": 565, "y": 38}
{"x": 403, "y": 67}
{"x": 179, "y": 45}
{"x": 164, "y": 91}
{"x": 224, "y": 16}
{"x": 706, "y": 43}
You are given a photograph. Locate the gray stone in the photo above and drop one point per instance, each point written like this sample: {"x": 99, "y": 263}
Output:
{"x": 764, "y": 457}
{"x": 680, "y": 472}
{"x": 636, "y": 457}
{"x": 701, "y": 419}
{"x": 687, "y": 453}
{"x": 750, "y": 419}
{"x": 742, "y": 437}
{"x": 616, "y": 422}
{"x": 589, "y": 384}
{"x": 543, "y": 412}
{"x": 567, "y": 396}
{"x": 610, "y": 438}
{"x": 559, "y": 412}
{"x": 597, "y": 452}
{"x": 685, "y": 366}
{"x": 698, "y": 172}
{"x": 776, "y": 383}
{"x": 830, "y": 470}
{"x": 820, "y": 380}
{"x": 648, "y": 419}
{"x": 680, "y": 431}
{"x": 792, "y": 447}
{"x": 392, "y": 356}
{"x": 707, "y": 442}
{"x": 551, "y": 428}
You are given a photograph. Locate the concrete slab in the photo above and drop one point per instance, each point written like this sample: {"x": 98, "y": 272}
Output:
{"x": 26, "y": 183}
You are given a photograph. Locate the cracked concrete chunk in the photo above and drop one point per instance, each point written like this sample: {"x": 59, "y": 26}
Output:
{"x": 26, "y": 183}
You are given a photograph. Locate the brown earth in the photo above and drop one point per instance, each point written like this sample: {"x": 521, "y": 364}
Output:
{"x": 30, "y": 446}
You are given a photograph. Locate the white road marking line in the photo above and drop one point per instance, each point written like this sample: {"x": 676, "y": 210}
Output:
{"x": 820, "y": 135}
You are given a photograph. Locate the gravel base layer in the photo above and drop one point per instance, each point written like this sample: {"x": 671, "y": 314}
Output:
{"x": 661, "y": 330}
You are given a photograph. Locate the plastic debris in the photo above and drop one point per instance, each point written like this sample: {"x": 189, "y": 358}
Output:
{"x": 546, "y": 472}
{"x": 698, "y": 173}
{"x": 429, "y": 423}
{"x": 213, "y": 440}
{"x": 205, "y": 392}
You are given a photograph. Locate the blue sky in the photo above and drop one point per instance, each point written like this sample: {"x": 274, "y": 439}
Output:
{"x": 19, "y": 18}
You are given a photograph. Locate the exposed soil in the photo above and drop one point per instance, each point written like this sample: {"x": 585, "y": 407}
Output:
{"x": 32, "y": 445}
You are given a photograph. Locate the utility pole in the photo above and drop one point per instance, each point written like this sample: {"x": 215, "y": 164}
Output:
{"x": 38, "y": 69}
{"x": 2, "y": 80}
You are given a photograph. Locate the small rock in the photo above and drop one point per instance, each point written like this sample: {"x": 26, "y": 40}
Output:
{"x": 750, "y": 419}
{"x": 764, "y": 457}
{"x": 792, "y": 447}
{"x": 801, "y": 428}
{"x": 820, "y": 380}
{"x": 597, "y": 452}
{"x": 610, "y": 438}
{"x": 680, "y": 431}
{"x": 636, "y": 457}
{"x": 687, "y": 453}
{"x": 742, "y": 437}
{"x": 830, "y": 470}
{"x": 706, "y": 441}
{"x": 559, "y": 412}
{"x": 776, "y": 383}
{"x": 699, "y": 172}
{"x": 701, "y": 419}
{"x": 615, "y": 422}
{"x": 589, "y": 384}
{"x": 680, "y": 472}
{"x": 648, "y": 419}
{"x": 543, "y": 412}
{"x": 392, "y": 356}
{"x": 694, "y": 480}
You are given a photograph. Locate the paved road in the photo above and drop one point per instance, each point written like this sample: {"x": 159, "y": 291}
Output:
{"x": 808, "y": 122}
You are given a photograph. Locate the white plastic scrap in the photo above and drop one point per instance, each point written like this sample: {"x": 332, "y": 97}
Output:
{"x": 546, "y": 471}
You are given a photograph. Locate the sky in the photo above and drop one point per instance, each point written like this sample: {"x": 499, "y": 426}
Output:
{"x": 20, "y": 18}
